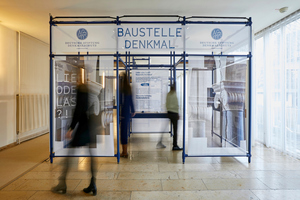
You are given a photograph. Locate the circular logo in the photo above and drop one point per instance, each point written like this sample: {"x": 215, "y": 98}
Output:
{"x": 82, "y": 34}
{"x": 216, "y": 34}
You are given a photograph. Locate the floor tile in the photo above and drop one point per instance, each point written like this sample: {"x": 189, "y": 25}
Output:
{"x": 234, "y": 184}
{"x": 21, "y": 195}
{"x": 103, "y": 195}
{"x": 185, "y": 167}
{"x": 208, "y": 174}
{"x": 40, "y": 195}
{"x": 289, "y": 173}
{"x": 123, "y": 185}
{"x": 129, "y": 168}
{"x": 257, "y": 174}
{"x": 14, "y": 185}
{"x": 45, "y": 185}
{"x": 148, "y": 175}
{"x": 231, "y": 166}
{"x": 277, "y": 194}
{"x": 194, "y": 195}
{"x": 281, "y": 183}
{"x": 41, "y": 175}
{"x": 187, "y": 185}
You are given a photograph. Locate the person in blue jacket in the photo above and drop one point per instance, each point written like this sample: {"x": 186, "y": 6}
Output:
{"x": 127, "y": 111}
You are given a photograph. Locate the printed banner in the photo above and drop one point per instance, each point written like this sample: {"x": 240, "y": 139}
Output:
{"x": 150, "y": 37}
{"x": 74, "y": 39}
{"x": 217, "y": 38}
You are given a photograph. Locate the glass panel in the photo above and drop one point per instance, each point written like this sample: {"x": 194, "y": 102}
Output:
{"x": 292, "y": 84}
{"x": 276, "y": 88}
{"x": 216, "y": 105}
{"x": 259, "y": 90}
{"x": 97, "y": 76}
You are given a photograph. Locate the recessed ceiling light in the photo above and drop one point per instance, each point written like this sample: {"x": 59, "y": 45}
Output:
{"x": 283, "y": 9}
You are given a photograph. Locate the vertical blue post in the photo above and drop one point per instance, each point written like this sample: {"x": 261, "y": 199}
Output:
{"x": 118, "y": 100}
{"x": 174, "y": 66}
{"x": 118, "y": 110}
{"x": 51, "y": 95}
{"x": 171, "y": 82}
{"x": 184, "y": 94}
{"x": 250, "y": 91}
{"x": 171, "y": 60}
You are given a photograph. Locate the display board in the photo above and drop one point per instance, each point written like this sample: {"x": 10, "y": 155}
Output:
{"x": 150, "y": 89}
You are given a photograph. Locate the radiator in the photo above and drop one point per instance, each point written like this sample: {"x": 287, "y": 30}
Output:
{"x": 32, "y": 115}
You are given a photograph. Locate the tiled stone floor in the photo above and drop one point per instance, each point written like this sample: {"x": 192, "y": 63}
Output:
{"x": 159, "y": 174}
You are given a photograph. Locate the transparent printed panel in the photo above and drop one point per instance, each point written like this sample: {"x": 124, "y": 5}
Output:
{"x": 96, "y": 74}
{"x": 218, "y": 38}
{"x": 84, "y": 39}
{"x": 216, "y": 105}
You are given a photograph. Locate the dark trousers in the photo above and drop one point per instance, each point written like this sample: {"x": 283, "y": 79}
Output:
{"x": 67, "y": 162}
{"x": 174, "y": 118}
{"x": 124, "y": 130}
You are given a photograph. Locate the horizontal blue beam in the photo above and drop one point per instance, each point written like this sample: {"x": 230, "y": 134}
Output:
{"x": 153, "y": 55}
{"x": 82, "y": 22}
{"x": 151, "y": 115}
{"x": 214, "y": 17}
{"x": 148, "y": 132}
{"x": 151, "y": 65}
{"x": 147, "y": 22}
{"x": 217, "y": 55}
{"x": 246, "y": 155}
{"x": 214, "y": 22}
{"x": 150, "y": 22}
{"x": 83, "y": 156}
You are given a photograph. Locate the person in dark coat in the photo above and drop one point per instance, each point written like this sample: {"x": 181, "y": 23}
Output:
{"x": 127, "y": 111}
{"x": 79, "y": 134}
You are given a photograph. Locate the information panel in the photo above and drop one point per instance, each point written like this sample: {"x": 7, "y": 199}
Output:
{"x": 149, "y": 90}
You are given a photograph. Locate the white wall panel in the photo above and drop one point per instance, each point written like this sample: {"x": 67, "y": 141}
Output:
{"x": 8, "y": 85}
{"x": 34, "y": 87}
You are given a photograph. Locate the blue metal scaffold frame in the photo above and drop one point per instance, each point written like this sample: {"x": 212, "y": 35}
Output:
{"x": 54, "y": 21}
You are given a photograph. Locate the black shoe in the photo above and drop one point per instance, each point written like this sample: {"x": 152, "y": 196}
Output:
{"x": 176, "y": 148}
{"x": 92, "y": 187}
{"x": 61, "y": 188}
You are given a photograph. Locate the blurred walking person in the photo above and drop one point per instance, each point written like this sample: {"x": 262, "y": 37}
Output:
{"x": 79, "y": 134}
{"x": 127, "y": 111}
{"x": 172, "y": 108}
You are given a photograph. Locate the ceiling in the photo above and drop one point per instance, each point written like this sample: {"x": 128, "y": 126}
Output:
{"x": 32, "y": 16}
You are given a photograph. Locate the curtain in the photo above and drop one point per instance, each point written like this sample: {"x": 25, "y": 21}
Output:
{"x": 277, "y": 85}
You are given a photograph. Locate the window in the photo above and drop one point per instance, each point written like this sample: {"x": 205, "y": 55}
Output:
{"x": 277, "y": 91}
